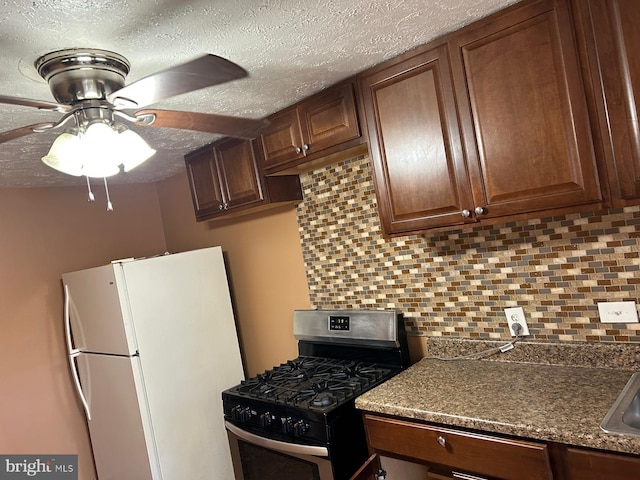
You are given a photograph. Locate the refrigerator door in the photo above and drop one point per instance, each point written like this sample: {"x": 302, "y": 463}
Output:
{"x": 120, "y": 425}
{"x": 97, "y": 309}
{"x": 184, "y": 325}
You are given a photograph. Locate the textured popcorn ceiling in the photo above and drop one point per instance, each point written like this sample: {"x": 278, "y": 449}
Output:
{"x": 291, "y": 48}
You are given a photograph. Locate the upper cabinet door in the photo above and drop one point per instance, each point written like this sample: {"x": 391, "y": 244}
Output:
{"x": 612, "y": 35}
{"x": 238, "y": 167}
{"x": 319, "y": 126}
{"x": 523, "y": 111}
{"x": 414, "y": 143}
{"x": 329, "y": 118}
{"x": 204, "y": 182}
{"x": 282, "y": 140}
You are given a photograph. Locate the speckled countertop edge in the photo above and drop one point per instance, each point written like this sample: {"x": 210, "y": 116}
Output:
{"x": 557, "y": 403}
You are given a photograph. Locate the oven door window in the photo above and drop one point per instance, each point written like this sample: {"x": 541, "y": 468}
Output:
{"x": 259, "y": 463}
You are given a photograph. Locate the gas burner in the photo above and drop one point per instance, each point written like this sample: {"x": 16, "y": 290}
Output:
{"x": 323, "y": 399}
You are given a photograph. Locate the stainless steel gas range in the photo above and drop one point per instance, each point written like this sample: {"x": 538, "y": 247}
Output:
{"x": 298, "y": 421}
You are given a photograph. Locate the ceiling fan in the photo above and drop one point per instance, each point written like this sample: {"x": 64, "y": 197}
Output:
{"x": 88, "y": 86}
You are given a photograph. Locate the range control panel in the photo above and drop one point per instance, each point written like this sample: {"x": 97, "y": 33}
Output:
{"x": 339, "y": 322}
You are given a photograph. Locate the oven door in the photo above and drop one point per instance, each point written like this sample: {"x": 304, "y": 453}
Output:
{"x": 259, "y": 458}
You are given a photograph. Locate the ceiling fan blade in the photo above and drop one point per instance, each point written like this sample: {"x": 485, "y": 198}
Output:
{"x": 20, "y": 132}
{"x": 205, "y": 122}
{"x": 42, "y": 105}
{"x": 202, "y": 72}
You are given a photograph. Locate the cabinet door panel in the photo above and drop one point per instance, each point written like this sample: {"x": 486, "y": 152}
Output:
{"x": 205, "y": 185}
{"x": 415, "y": 144}
{"x": 525, "y": 122}
{"x": 281, "y": 140}
{"x": 329, "y": 119}
{"x": 613, "y": 26}
{"x": 238, "y": 168}
{"x": 588, "y": 465}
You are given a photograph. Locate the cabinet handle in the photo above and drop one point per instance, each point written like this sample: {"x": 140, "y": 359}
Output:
{"x": 441, "y": 441}
{"x": 479, "y": 210}
{"x": 381, "y": 475}
{"x": 466, "y": 213}
{"x": 226, "y": 206}
{"x": 466, "y": 476}
{"x": 298, "y": 150}
{"x": 221, "y": 206}
{"x": 305, "y": 147}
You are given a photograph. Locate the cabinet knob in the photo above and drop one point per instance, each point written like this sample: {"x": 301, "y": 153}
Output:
{"x": 381, "y": 475}
{"x": 479, "y": 210}
{"x": 221, "y": 206}
{"x": 466, "y": 213}
{"x": 298, "y": 150}
{"x": 441, "y": 441}
{"x": 226, "y": 206}
{"x": 305, "y": 147}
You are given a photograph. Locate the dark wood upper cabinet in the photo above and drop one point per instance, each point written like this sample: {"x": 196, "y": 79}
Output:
{"x": 611, "y": 46}
{"x": 319, "y": 126}
{"x": 524, "y": 116}
{"x": 225, "y": 180}
{"x": 489, "y": 124}
{"x": 414, "y": 143}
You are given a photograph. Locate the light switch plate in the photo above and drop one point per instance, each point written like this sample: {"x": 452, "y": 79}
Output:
{"x": 618, "y": 312}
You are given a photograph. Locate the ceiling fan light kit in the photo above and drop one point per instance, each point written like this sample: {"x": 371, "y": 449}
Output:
{"x": 89, "y": 87}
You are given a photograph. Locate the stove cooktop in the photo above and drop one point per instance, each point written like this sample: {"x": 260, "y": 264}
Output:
{"x": 313, "y": 383}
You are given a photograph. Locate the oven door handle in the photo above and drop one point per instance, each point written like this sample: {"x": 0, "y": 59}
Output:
{"x": 284, "y": 447}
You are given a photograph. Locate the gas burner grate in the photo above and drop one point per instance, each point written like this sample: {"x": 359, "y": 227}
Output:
{"x": 314, "y": 383}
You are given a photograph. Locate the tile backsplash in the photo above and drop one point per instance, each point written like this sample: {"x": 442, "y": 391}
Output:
{"x": 457, "y": 283}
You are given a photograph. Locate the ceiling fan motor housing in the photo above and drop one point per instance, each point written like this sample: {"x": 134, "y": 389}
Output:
{"x": 79, "y": 74}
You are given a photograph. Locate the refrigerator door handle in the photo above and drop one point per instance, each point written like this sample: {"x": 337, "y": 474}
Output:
{"x": 73, "y": 353}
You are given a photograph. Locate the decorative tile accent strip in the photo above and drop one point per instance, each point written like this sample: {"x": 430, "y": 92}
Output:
{"x": 457, "y": 283}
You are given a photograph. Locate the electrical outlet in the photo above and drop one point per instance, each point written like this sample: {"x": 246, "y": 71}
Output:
{"x": 516, "y": 315}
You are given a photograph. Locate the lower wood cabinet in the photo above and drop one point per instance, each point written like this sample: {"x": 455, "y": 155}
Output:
{"x": 455, "y": 452}
{"x": 583, "y": 464}
{"x": 225, "y": 180}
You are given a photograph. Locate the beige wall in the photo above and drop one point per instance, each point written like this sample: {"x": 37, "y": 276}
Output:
{"x": 264, "y": 262}
{"x": 45, "y": 232}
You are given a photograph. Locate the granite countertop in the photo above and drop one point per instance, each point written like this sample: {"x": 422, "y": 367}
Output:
{"x": 557, "y": 403}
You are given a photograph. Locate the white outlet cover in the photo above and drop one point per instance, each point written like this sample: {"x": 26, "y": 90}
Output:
{"x": 618, "y": 312}
{"x": 516, "y": 314}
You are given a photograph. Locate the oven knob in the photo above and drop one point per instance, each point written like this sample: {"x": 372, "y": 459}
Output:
{"x": 301, "y": 428}
{"x": 287, "y": 425}
{"x": 245, "y": 414}
{"x": 266, "y": 419}
{"x": 241, "y": 413}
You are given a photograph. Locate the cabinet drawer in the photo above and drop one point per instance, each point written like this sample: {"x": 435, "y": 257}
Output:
{"x": 481, "y": 454}
{"x": 588, "y": 465}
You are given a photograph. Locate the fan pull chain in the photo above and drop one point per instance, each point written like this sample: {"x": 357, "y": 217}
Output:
{"x": 106, "y": 189}
{"x": 91, "y": 198}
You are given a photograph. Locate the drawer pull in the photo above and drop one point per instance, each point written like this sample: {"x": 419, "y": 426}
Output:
{"x": 441, "y": 441}
{"x": 466, "y": 476}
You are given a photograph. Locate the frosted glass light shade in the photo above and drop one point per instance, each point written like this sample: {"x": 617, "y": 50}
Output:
{"x": 97, "y": 152}
{"x": 64, "y": 155}
{"x": 134, "y": 150}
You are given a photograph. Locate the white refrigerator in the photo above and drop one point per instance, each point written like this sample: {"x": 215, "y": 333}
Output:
{"x": 152, "y": 345}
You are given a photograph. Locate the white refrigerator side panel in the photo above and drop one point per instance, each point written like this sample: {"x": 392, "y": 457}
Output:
{"x": 183, "y": 319}
{"x": 120, "y": 427}
{"x": 98, "y": 322}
